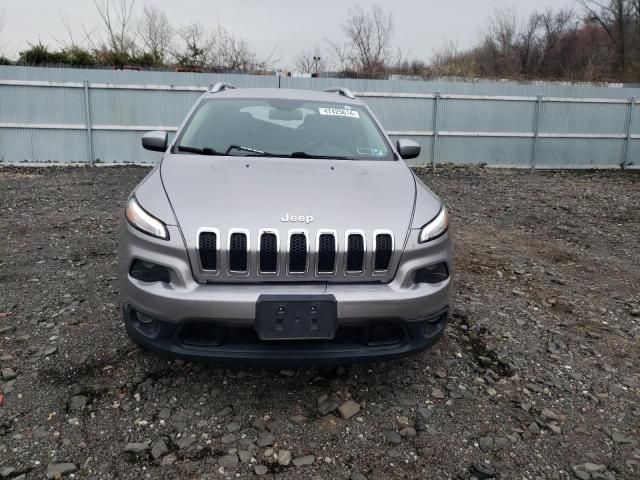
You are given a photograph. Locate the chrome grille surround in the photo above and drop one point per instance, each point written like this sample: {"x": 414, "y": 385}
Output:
{"x": 275, "y": 232}
{"x": 373, "y": 255}
{"x": 347, "y": 234}
{"x": 336, "y": 249}
{"x": 217, "y": 233}
{"x": 241, "y": 273}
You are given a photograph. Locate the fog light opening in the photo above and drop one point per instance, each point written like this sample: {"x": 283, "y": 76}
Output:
{"x": 143, "y": 319}
{"x": 149, "y": 272}
{"x": 432, "y": 274}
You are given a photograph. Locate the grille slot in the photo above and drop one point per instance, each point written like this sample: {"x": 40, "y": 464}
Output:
{"x": 355, "y": 253}
{"x": 238, "y": 252}
{"x": 326, "y": 253}
{"x": 208, "y": 249}
{"x": 297, "y": 253}
{"x": 384, "y": 249}
{"x": 268, "y": 253}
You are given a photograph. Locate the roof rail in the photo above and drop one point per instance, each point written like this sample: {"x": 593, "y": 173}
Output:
{"x": 218, "y": 87}
{"x": 345, "y": 92}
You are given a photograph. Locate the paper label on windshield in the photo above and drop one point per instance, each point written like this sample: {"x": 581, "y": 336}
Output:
{"x": 338, "y": 112}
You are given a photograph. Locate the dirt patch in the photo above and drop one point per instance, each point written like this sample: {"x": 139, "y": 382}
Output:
{"x": 537, "y": 374}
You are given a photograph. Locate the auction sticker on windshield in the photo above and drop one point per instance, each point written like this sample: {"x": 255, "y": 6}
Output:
{"x": 338, "y": 112}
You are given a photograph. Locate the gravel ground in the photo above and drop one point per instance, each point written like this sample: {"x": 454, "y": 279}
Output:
{"x": 537, "y": 376}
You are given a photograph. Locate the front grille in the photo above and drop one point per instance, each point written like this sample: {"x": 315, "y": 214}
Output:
{"x": 326, "y": 253}
{"x": 384, "y": 248}
{"x": 355, "y": 252}
{"x": 350, "y": 256}
{"x": 298, "y": 253}
{"x": 268, "y": 253}
{"x": 208, "y": 248}
{"x": 238, "y": 252}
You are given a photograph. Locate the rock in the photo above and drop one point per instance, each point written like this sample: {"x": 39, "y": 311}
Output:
{"x": 185, "y": 442}
{"x": 164, "y": 414}
{"x": 233, "y": 427}
{"x": 226, "y": 411}
{"x": 159, "y": 449}
{"x": 245, "y": 456}
{"x": 348, "y": 409}
{"x": 419, "y": 423}
{"x": 136, "y": 448}
{"x": 168, "y": 460}
{"x": 303, "y": 461}
{"x": 326, "y": 407}
{"x": 51, "y": 350}
{"x": 408, "y": 432}
{"x": 426, "y": 452}
{"x": 437, "y": 393}
{"x": 589, "y": 470}
{"x": 265, "y": 439}
{"x": 287, "y": 373}
{"x": 548, "y": 415}
{"x": 357, "y": 476}
{"x": 393, "y": 437}
{"x": 298, "y": 419}
{"x": 485, "y": 443}
{"x": 60, "y": 469}
{"x": 534, "y": 428}
{"x": 77, "y": 402}
{"x": 6, "y": 472}
{"x": 618, "y": 437}
{"x": 261, "y": 470}
{"x": 8, "y": 374}
{"x": 284, "y": 457}
{"x": 228, "y": 461}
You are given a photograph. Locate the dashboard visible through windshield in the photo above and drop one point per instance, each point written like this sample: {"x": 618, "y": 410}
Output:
{"x": 283, "y": 128}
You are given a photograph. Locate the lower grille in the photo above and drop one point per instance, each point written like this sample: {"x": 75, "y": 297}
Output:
{"x": 268, "y": 253}
{"x": 238, "y": 252}
{"x": 201, "y": 334}
{"x": 208, "y": 249}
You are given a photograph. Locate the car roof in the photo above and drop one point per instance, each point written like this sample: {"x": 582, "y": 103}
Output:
{"x": 284, "y": 93}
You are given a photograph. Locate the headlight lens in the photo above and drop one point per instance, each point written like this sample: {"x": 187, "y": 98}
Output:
{"x": 142, "y": 220}
{"x": 436, "y": 227}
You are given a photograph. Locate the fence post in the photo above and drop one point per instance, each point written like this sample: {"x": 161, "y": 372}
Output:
{"x": 87, "y": 119}
{"x": 627, "y": 141}
{"x": 434, "y": 151}
{"x": 536, "y": 130}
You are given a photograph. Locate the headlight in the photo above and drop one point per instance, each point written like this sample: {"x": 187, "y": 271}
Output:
{"x": 436, "y": 227}
{"x": 142, "y": 220}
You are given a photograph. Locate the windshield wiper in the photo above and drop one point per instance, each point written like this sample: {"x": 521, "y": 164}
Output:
{"x": 309, "y": 155}
{"x": 255, "y": 151}
{"x": 200, "y": 151}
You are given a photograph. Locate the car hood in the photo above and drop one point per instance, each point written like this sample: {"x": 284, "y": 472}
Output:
{"x": 254, "y": 193}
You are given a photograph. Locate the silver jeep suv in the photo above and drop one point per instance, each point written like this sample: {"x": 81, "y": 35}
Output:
{"x": 282, "y": 227}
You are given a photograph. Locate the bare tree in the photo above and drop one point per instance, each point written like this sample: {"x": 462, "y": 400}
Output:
{"x": 310, "y": 61}
{"x": 117, "y": 23}
{"x": 612, "y": 17}
{"x": 368, "y": 47}
{"x": 156, "y": 34}
{"x": 192, "y": 49}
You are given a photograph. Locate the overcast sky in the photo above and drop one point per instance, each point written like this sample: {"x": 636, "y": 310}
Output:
{"x": 286, "y": 26}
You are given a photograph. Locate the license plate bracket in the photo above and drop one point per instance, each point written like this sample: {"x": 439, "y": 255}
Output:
{"x": 296, "y": 317}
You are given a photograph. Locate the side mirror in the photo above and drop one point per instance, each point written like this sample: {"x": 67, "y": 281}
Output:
{"x": 408, "y": 148}
{"x": 155, "y": 141}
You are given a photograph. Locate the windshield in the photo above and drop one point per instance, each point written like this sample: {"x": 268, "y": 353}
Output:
{"x": 283, "y": 128}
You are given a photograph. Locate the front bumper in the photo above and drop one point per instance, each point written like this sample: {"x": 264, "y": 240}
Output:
{"x": 417, "y": 313}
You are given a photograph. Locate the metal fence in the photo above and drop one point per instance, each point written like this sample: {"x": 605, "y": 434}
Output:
{"x": 97, "y": 116}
